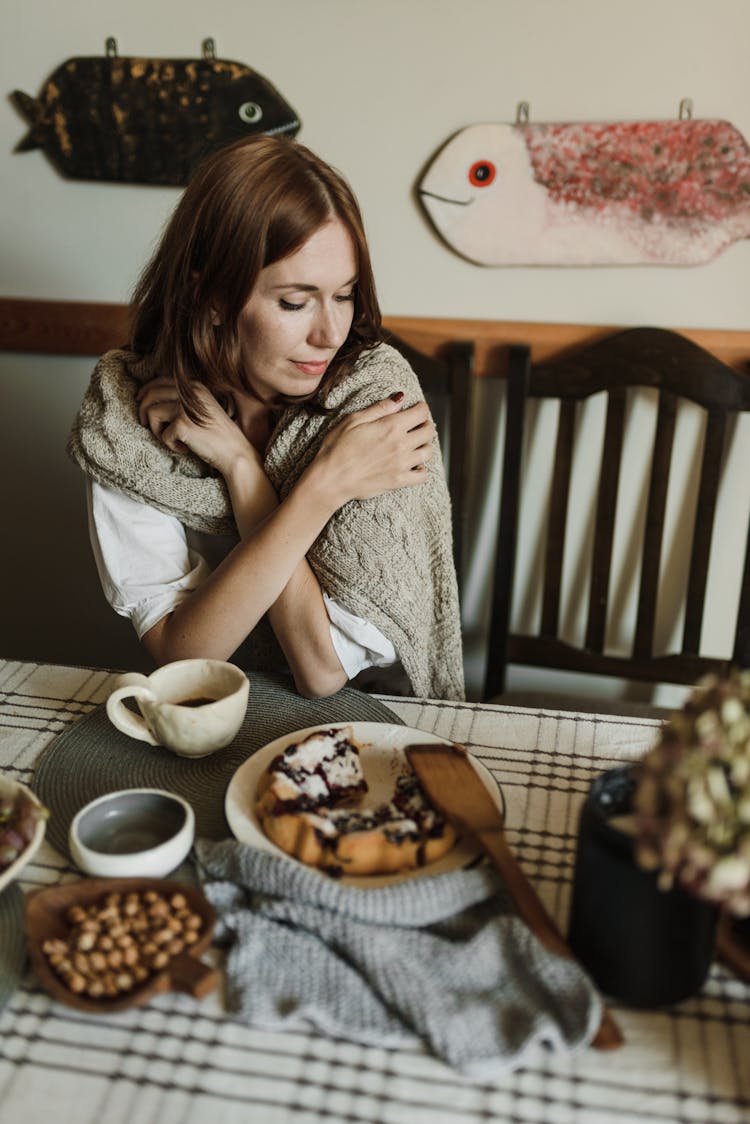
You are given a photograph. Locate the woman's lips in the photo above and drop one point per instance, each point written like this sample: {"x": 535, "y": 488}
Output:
{"x": 313, "y": 369}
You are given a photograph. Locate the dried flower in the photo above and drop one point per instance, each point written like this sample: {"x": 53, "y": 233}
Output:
{"x": 692, "y": 798}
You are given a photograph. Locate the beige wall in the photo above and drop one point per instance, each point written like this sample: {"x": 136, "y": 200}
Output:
{"x": 379, "y": 85}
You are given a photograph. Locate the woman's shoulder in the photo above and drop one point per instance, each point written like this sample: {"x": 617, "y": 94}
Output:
{"x": 121, "y": 365}
{"x": 384, "y": 362}
{"x": 379, "y": 372}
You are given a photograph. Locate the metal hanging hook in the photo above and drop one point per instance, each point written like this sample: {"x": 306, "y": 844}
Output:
{"x": 686, "y": 109}
{"x": 209, "y": 48}
{"x": 522, "y": 113}
{"x": 110, "y": 46}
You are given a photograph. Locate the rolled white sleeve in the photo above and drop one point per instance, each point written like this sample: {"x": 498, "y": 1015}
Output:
{"x": 145, "y": 564}
{"x": 358, "y": 643}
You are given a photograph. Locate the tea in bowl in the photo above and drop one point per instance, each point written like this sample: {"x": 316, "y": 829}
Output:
{"x": 133, "y": 833}
{"x": 191, "y": 707}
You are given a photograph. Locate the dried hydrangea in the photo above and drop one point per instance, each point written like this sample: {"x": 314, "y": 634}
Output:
{"x": 692, "y": 799}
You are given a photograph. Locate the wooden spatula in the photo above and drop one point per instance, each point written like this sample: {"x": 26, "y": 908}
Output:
{"x": 453, "y": 785}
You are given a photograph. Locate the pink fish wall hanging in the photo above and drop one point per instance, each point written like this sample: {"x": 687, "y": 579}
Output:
{"x": 614, "y": 193}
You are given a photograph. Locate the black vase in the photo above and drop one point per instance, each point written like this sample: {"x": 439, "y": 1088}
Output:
{"x": 645, "y": 946}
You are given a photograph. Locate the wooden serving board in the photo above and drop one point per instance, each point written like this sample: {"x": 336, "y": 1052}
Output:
{"x": 46, "y": 917}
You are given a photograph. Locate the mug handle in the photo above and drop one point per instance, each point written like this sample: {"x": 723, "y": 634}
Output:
{"x": 124, "y": 719}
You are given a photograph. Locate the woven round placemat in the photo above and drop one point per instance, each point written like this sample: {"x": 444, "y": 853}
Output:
{"x": 12, "y": 941}
{"x": 92, "y": 758}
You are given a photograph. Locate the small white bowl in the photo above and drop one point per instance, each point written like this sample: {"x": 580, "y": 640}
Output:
{"x": 133, "y": 833}
{"x": 11, "y": 788}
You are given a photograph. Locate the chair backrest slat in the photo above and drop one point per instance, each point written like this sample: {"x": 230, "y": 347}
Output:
{"x": 558, "y": 517}
{"x": 606, "y": 507}
{"x": 503, "y": 572}
{"x": 461, "y": 363}
{"x": 653, "y": 532}
{"x": 713, "y": 446}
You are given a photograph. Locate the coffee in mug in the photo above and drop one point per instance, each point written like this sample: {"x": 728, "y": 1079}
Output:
{"x": 192, "y": 707}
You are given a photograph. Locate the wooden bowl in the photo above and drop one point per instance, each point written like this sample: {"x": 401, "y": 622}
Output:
{"x": 46, "y": 917}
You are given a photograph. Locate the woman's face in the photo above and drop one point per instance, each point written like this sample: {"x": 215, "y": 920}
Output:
{"x": 299, "y": 314}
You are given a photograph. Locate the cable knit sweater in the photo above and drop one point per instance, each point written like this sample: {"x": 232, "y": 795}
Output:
{"x": 388, "y": 559}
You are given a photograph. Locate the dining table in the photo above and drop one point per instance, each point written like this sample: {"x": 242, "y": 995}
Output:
{"x": 182, "y": 1060}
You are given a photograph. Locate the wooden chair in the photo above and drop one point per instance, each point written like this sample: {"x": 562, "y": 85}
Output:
{"x": 446, "y": 381}
{"x": 677, "y": 369}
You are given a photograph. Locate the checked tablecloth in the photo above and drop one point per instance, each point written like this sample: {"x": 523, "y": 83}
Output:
{"x": 178, "y": 1061}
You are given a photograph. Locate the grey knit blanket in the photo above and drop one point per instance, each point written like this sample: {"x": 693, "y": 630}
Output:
{"x": 388, "y": 559}
{"x": 439, "y": 960}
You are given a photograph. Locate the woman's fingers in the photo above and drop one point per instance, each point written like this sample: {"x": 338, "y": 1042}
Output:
{"x": 158, "y": 390}
{"x": 422, "y": 454}
{"x": 383, "y": 408}
{"x": 410, "y": 425}
{"x": 216, "y": 439}
{"x": 158, "y": 417}
{"x": 386, "y": 407}
{"x": 171, "y": 435}
{"x": 158, "y": 403}
{"x": 382, "y": 447}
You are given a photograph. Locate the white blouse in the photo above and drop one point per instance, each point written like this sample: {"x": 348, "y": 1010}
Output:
{"x": 149, "y": 562}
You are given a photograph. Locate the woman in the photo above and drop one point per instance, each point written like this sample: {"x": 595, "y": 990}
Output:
{"x": 254, "y": 448}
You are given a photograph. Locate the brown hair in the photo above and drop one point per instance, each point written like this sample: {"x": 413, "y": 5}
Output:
{"x": 249, "y": 205}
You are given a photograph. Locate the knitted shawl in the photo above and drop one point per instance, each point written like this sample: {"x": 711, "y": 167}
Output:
{"x": 388, "y": 559}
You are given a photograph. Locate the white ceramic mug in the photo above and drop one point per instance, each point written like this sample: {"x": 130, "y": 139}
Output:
{"x": 191, "y": 707}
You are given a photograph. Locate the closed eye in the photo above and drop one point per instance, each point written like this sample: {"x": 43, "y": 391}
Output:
{"x": 291, "y": 306}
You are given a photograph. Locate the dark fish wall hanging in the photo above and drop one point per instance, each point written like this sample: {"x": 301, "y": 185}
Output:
{"x": 614, "y": 193}
{"x": 143, "y": 120}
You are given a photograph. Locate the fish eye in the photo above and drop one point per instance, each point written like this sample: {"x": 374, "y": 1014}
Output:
{"x": 482, "y": 173}
{"x": 250, "y": 112}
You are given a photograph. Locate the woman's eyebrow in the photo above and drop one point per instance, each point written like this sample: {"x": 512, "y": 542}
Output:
{"x": 304, "y": 288}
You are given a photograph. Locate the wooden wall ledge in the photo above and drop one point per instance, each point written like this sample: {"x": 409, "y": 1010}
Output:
{"x": 61, "y": 327}
{"x": 90, "y": 328}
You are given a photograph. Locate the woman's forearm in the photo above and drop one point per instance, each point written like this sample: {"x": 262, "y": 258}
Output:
{"x": 303, "y": 629}
{"x": 298, "y": 616}
{"x": 267, "y": 570}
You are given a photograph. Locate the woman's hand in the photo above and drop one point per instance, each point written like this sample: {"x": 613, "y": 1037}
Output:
{"x": 219, "y": 441}
{"x": 378, "y": 449}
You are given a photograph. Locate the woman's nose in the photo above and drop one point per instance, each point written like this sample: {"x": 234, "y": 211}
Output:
{"x": 330, "y": 326}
